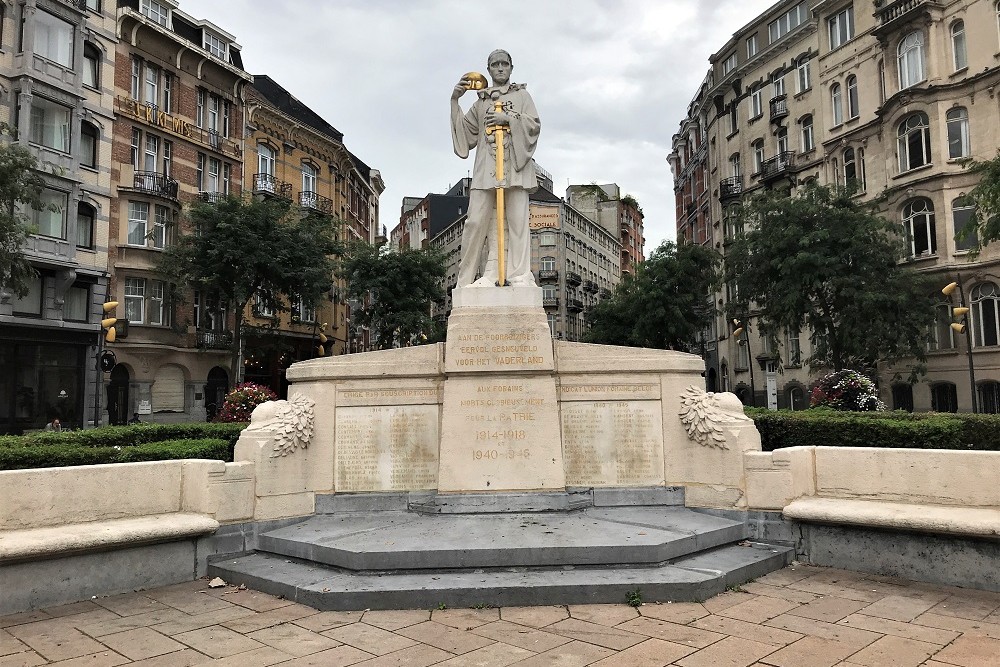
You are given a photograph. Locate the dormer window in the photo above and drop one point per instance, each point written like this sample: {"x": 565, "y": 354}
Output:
{"x": 215, "y": 45}
{"x": 155, "y": 11}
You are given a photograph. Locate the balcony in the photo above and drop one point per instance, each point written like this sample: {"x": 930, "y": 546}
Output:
{"x": 589, "y": 286}
{"x": 550, "y": 301}
{"x": 574, "y": 305}
{"x": 215, "y": 340}
{"x": 316, "y": 202}
{"x": 548, "y": 274}
{"x": 213, "y": 197}
{"x": 604, "y": 293}
{"x": 573, "y": 278}
{"x": 268, "y": 184}
{"x": 730, "y": 188}
{"x": 777, "y": 166}
{"x": 889, "y": 12}
{"x": 153, "y": 183}
{"x": 779, "y": 107}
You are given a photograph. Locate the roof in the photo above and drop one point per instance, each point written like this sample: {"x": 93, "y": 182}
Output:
{"x": 287, "y": 103}
{"x": 543, "y": 195}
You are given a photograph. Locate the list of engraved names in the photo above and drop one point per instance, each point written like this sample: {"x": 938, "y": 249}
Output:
{"x": 387, "y": 448}
{"x": 613, "y": 443}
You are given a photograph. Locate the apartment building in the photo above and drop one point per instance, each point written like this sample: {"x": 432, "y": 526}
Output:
{"x": 892, "y": 97}
{"x": 56, "y": 91}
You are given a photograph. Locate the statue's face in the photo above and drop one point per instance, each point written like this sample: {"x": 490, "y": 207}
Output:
{"x": 500, "y": 68}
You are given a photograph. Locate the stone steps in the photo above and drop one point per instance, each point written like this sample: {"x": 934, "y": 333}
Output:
{"x": 690, "y": 578}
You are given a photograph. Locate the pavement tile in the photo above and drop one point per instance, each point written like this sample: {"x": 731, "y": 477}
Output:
{"x": 444, "y": 637}
{"x": 771, "y": 591}
{"x": 737, "y": 628}
{"x": 325, "y": 620}
{"x": 71, "y": 609}
{"x": 414, "y": 656}
{"x": 675, "y": 612}
{"x": 184, "y": 658}
{"x": 826, "y": 588}
{"x": 188, "y": 623}
{"x": 23, "y": 618}
{"x": 672, "y": 632}
{"x": 130, "y": 604}
{"x": 99, "y": 627}
{"x": 55, "y": 639}
{"x": 900, "y": 629}
{"x": 812, "y": 651}
{"x": 966, "y": 606}
{"x": 892, "y": 651}
{"x": 141, "y": 643}
{"x": 494, "y": 655}
{"x": 616, "y": 638}
{"x": 730, "y": 652}
{"x": 389, "y": 619}
{"x": 957, "y": 624}
{"x": 809, "y": 626}
{"x": 759, "y": 609}
{"x": 9, "y": 644}
{"x": 103, "y": 659}
{"x": 650, "y": 653}
{"x": 465, "y": 619}
{"x": 971, "y": 651}
{"x": 293, "y": 640}
{"x": 191, "y": 602}
{"x": 369, "y": 638}
{"x": 217, "y": 641}
{"x": 603, "y": 614}
{"x": 26, "y": 659}
{"x": 573, "y": 654}
{"x": 828, "y": 609}
{"x": 335, "y": 657}
{"x": 259, "y": 657}
{"x": 535, "y": 617}
{"x": 726, "y": 600}
{"x": 532, "y": 639}
{"x": 253, "y": 600}
{"x": 788, "y": 575}
{"x": 267, "y": 619}
{"x": 898, "y": 608}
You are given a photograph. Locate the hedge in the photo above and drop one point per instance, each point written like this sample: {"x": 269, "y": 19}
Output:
{"x": 67, "y": 454}
{"x": 876, "y": 429}
{"x": 128, "y": 436}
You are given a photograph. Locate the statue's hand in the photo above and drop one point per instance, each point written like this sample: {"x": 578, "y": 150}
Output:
{"x": 460, "y": 88}
{"x": 497, "y": 118}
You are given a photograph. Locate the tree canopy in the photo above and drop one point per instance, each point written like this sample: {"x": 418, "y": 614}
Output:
{"x": 823, "y": 260}
{"x": 984, "y": 225}
{"x": 396, "y": 290}
{"x": 666, "y": 304}
{"x": 238, "y": 247}
{"x": 20, "y": 189}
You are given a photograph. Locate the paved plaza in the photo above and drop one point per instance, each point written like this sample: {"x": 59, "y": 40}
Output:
{"x": 798, "y": 617}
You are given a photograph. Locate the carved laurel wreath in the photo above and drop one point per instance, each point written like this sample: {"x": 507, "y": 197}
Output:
{"x": 703, "y": 416}
{"x": 293, "y": 425}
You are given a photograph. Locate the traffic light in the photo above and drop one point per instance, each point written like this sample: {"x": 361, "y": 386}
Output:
{"x": 960, "y": 312}
{"x": 108, "y": 323}
{"x": 738, "y": 329}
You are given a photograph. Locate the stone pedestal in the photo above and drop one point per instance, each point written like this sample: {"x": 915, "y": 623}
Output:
{"x": 500, "y": 420}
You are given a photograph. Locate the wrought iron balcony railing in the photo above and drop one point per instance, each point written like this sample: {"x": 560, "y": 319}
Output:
{"x": 573, "y": 278}
{"x": 779, "y": 107}
{"x": 730, "y": 187}
{"x": 267, "y": 183}
{"x": 550, "y": 301}
{"x": 777, "y": 165}
{"x": 212, "y": 197}
{"x": 153, "y": 183}
{"x": 215, "y": 340}
{"x": 548, "y": 274}
{"x": 574, "y": 305}
{"x": 589, "y": 286}
{"x": 316, "y": 202}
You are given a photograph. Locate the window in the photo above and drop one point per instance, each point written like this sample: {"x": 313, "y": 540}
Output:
{"x": 729, "y": 65}
{"x": 157, "y": 314}
{"x": 989, "y": 397}
{"x": 168, "y": 92}
{"x": 808, "y": 142}
{"x": 918, "y": 224}
{"x": 914, "y": 142}
{"x": 215, "y": 46}
{"x": 263, "y": 304}
{"x": 136, "y": 143}
{"x": 50, "y": 124}
{"x": 89, "y": 139}
{"x": 756, "y": 104}
{"x": 145, "y": 302}
{"x": 960, "y": 58}
{"x": 152, "y": 89}
{"x": 136, "y": 88}
{"x": 854, "y": 169}
{"x": 734, "y": 165}
{"x": 958, "y": 133}
{"x": 793, "y": 349}
{"x": 53, "y": 38}
{"x": 84, "y": 226}
{"x": 782, "y": 140}
{"x": 961, "y": 213}
{"x": 841, "y": 27}
{"x": 778, "y": 85}
{"x": 804, "y": 78}
{"x": 837, "y": 104}
{"x": 209, "y": 312}
{"x": 212, "y": 113}
{"x": 152, "y": 153}
{"x": 168, "y": 157}
{"x": 751, "y": 46}
{"x": 547, "y": 239}
{"x": 309, "y": 174}
{"x": 265, "y": 160}
{"x": 734, "y": 121}
{"x": 30, "y": 303}
{"x": 302, "y": 310}
{"x": 138, "y": 218}
{"x": 742, "y": 355}
{"x": 91, "y": 65}
{"x": 161, "y": 226}
{"x": 155, "y": 12}
{"x": 214, "y": 169}
{"x": 76, "y": 303}
{"x": 942, "y": 336}
{"x": 944, "y": 397}
{"x": 758, "y": 156}
{"x": 985, "y": 323}
{"x": 790, "y": 20}
{"x": 135, "y": 298}
{"x": 853, "y": 110}
{"x": 910, "y": 59}
{"x": 902, "y": 397}
{"x": 548, "y": 264}
{"x": 50, "y": 222}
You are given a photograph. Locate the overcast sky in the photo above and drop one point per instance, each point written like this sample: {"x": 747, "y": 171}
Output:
{"x": 611, "y": 79}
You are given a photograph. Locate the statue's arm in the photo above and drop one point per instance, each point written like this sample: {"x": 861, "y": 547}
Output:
{"x": 464, "y": 129}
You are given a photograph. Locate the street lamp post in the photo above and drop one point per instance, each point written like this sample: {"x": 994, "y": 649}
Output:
{"x": 963, "y": 327}
{"x": 744, "y": 329}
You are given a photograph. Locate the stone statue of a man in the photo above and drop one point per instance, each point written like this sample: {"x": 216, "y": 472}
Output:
{"x": 520, "y": 119}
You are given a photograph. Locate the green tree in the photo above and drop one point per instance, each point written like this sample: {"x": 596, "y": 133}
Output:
{"x": 824, "y": 260}
{"x": 984, "y": 226}
{"x": 396, "y": 288}
{"x": 666, "y": 304}
{"x": 20, "y": 189}
{"x": 241, "y": 246}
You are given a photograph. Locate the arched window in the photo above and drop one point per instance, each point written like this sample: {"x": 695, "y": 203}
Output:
{"x": 985, "y": 298}
{"x": 782, "y": 140}
{"x": 944, "y": 397}
{"x": 943, "y": 337}
{"x": 758, "y": 156}
{"x": 960, "y": 58}
{"x": 309, "y": 175}
{"x": 958, "y": 133}
{"x": 85, "y": 225}
{"x": 850, "y": 168}
{"x": 902, "y": 397}
{"x": 548, "y": 264}
{"x": 91, "y": 65}
{"x": 914, "y": 141}
{"x": 808, "y": 141}
{"x": 961, "y": 214}
{"x": 734, "y": 165}
{"x": 910, "y": 59}
{"x": 988, "y": 393}
{"x": 89, "y": 141}
{"x": 918, "y": 223}
{"x": 853, "y": 110}
{"x": 837, "y": 104}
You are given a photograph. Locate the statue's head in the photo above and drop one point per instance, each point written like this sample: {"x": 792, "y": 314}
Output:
{"x": 500, "y": 65}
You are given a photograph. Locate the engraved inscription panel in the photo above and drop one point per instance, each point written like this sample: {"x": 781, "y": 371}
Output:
{"x": 387, "y": 395}
{"x": 614, "y": 443}
{"x": 514, "y": 342}
{"x": 387, "y": 448}
{"x": 573, "y": 389}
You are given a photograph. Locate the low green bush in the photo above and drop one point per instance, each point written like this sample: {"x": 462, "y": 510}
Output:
{"x": 53, "y": 455}
{"x": 128, "y": 436}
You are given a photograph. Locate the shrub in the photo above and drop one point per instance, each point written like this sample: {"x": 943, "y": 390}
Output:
{"x": 55, "y": 455}
{"x": 242, "y": 400}
{"x": 846, "y": 390}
